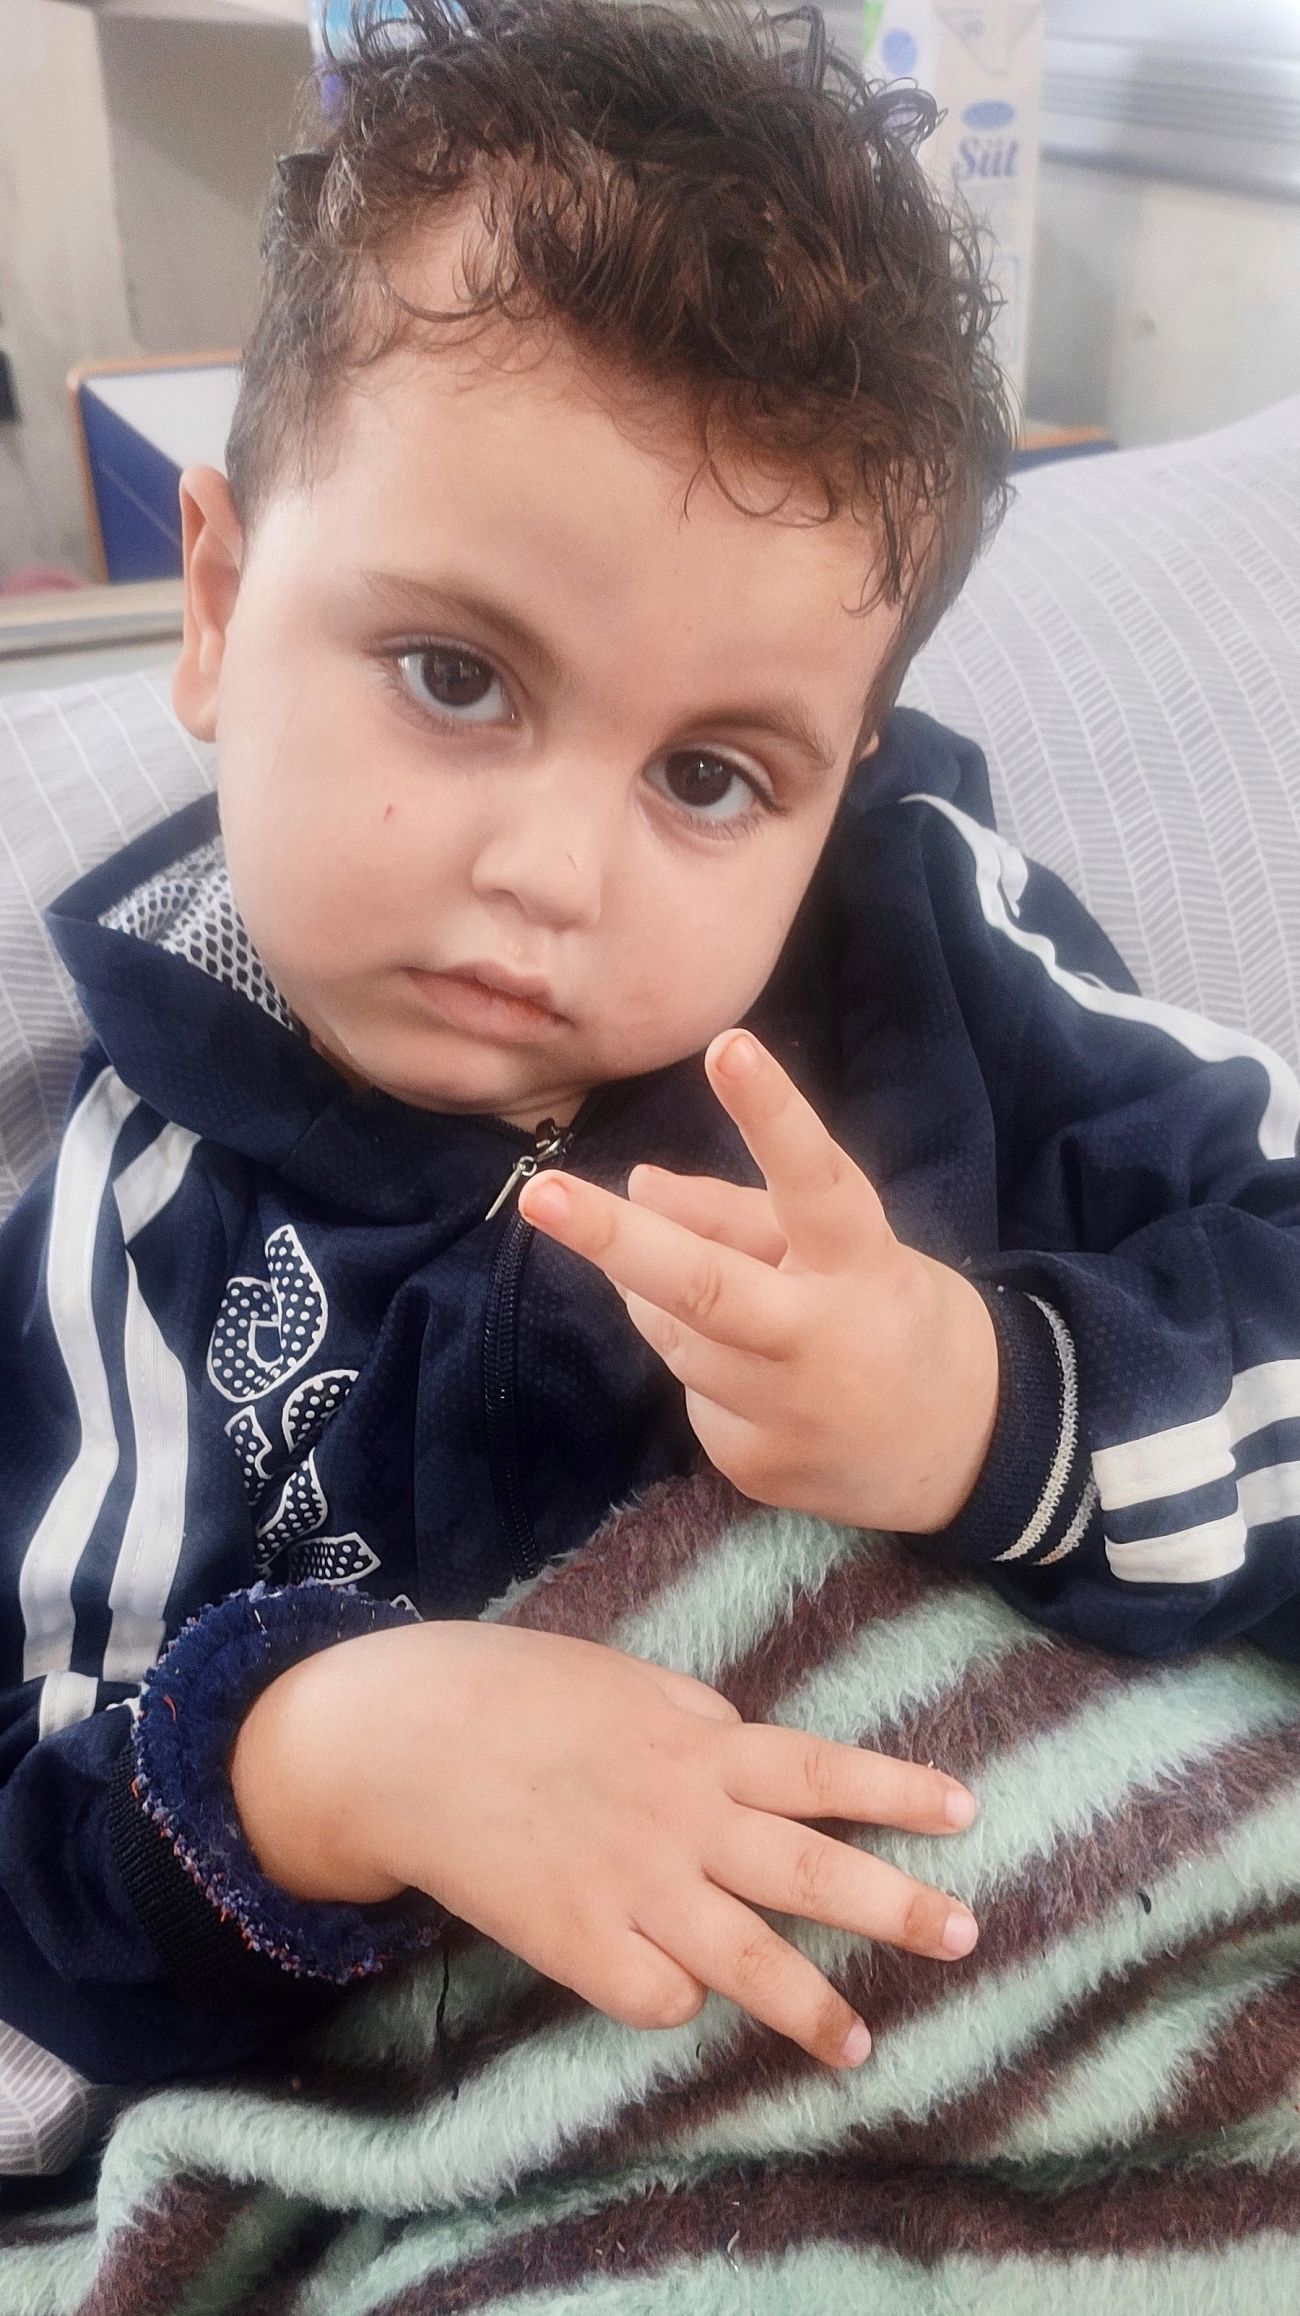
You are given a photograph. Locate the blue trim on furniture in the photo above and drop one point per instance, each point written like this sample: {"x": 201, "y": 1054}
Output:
{"x": 135, "y": 487}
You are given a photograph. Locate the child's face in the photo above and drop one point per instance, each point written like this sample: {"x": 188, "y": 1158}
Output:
{"x": 568, "y": 777}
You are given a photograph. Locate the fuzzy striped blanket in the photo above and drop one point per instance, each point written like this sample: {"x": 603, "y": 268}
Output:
{"x": 1097, "y": 2109}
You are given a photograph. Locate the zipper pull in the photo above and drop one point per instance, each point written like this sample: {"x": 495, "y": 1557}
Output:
{"x": 548, "y": 1143}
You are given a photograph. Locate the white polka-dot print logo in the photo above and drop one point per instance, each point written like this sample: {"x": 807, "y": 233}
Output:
{"x": 253, "y": 1448}
{"x": 312, "y": 1402}
{"x": 266, "y": 1332}
{"x": 267, "y": 1329}
{"x": 301, "y": 1508}
{"x": 332, "y": 1560}
{"x": 292, "y": 1529}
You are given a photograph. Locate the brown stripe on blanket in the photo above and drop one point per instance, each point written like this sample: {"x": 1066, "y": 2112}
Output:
{"x": 164, "y": 2247}
{"x": 1249, "y": 2066}
{"x": 649, "y": 1545}
{"x": 1074, "y": 1885}
{"x": 972, "y": 2125}
{"x": 870, "y": 1587}
{"x": 19, "y": 2235}
{"x": 1250, "y": 2071}
{"x": 922, "y": 2218}
{"x": 635, "y": 1554}
{"x": 294, "y": 2263}
{"x": 1003, "y": 1702}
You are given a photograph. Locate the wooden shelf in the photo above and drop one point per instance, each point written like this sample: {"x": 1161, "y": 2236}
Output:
{"x": 1039, "y": 434}
{"x": 77, "y": 618}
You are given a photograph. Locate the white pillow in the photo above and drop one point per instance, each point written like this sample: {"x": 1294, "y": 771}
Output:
{"x": 1128, "y": 655}
{"x": 81, "y": 771}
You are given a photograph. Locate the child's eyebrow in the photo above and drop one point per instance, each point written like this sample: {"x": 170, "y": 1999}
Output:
{"x": 401, "y": 594}
{"x": 784, "y": 718}
{"x": 404, "y": 595}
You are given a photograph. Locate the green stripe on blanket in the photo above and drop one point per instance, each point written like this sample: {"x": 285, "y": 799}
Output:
{"x": 1096, "y": 2107}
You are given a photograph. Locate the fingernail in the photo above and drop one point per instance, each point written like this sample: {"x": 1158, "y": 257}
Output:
{"x": 960, "y": 1932}
{"x": 959, "y": 1807}
{"x": 856, "y": 2045}
{"x": 547, "y": 1201}
{"x": 739, "y": 1059}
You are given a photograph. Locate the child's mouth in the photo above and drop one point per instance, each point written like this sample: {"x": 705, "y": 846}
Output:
{"x": 467, "y": 1004}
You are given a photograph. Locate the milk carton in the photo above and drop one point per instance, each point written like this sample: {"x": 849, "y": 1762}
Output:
{"x": 983, "y": 61}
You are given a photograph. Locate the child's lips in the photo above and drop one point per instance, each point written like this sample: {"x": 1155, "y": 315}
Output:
{"x": 467, "y": 1003}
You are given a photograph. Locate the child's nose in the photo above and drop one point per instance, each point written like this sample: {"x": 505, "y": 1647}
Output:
{"x": 548, "y": 857}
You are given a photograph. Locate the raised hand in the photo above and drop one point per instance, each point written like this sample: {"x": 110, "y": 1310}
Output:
{"x": 828, "y": 1367}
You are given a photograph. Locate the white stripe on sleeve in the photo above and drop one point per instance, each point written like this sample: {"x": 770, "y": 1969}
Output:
{"x": 155, "y": 1381}
{"x": 51, "y": 1559}
{"x": 1190, "y": 1455}
{"x": 1186, "y": 1556}
{"x": 65, "y": 1698}
{"x": 1214, "y": 1547}
{"x": 152, "y": 1180}
{"x": 1000, "y": 875}
{"x": 1272, "y": 1493}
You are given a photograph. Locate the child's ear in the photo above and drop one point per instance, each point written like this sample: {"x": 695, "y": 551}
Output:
{"x": 213, "y": 543}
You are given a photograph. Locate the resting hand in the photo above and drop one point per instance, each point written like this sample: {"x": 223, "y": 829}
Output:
{"x": 616, "y": 1824}
{"x": 828, "y": 1368}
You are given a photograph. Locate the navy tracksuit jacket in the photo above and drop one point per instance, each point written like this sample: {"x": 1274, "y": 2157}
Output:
{"x": 255, "y": 1326}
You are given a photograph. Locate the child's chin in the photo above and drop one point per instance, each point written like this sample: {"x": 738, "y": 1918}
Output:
{"x": 469, "y": 1092}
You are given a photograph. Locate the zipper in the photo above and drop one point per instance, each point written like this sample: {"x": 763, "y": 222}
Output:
{"x": 551, "y": 1143}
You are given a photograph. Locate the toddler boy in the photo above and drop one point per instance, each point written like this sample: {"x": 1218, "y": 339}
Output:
{"x": 619, "y": 420}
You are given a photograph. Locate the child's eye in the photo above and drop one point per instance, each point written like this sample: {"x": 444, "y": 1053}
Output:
{"x": 456, "y": 684}
{"x": 707, "y": 786}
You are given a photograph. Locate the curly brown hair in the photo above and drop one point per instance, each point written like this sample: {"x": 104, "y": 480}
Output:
{"x": 714, "y": 207}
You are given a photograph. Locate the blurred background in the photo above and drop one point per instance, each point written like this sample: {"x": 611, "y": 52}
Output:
{"x": 1137, "y": 160}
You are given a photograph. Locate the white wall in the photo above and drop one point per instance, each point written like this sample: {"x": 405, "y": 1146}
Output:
{"x": 197, "y": 114}
{"x": 62, "y": 293}
{"x": 1160, "y": 309}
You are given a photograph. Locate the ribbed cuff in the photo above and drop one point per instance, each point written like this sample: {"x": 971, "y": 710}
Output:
{"x": 202, "y": 1951}
{"x": 1035, "y": 1498}
{"x": 224, "y": 1931}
